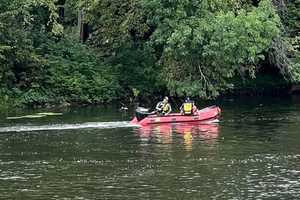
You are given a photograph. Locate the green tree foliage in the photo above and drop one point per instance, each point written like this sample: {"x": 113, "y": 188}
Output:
{"x": 285, "y": 51}
{"x": 40, "y": 64}
{"x": 72, "y": 73}
{"x": 121, "y": 32}
{"x": 294, "y": 33}
{"x": 20, "y": 23}
{"x": 116, "y": 22}
{"x": 292, "y": 17}
{"x": 204, "y": 43}
{"x": 140, "y": 48}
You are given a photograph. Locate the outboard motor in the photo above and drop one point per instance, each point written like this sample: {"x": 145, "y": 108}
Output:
{"x": 141, "y": 113}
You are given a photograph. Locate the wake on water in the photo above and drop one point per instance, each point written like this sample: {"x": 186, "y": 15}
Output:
{"x": 93, "y": 125}
{"x": 87, "y": 125}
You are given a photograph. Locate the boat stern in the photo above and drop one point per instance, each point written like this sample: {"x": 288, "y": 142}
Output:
{"x": 134, "y": 121}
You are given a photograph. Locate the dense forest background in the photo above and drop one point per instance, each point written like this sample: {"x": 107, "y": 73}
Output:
{"x": 144, "y": 48}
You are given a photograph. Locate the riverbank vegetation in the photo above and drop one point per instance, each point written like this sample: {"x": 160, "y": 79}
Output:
{"x": 144, "y": 48}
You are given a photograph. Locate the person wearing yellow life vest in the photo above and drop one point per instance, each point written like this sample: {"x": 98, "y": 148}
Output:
{"x": 163, "y": 107}
{"x": 188, "y": 107}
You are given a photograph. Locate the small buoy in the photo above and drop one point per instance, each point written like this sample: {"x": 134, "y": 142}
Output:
{"x": 123, "y": 108}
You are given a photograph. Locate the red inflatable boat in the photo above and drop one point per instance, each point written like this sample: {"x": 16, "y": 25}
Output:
{"x": 206, "y": 114}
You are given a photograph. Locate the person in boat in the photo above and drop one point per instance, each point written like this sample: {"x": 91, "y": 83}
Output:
{"x": 163, "y": 107}
{"x": 188, "y": 107}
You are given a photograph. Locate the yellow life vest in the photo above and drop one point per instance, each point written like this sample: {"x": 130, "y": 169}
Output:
{"x": 187, "y": 108}
{"x": 166, "y": 107}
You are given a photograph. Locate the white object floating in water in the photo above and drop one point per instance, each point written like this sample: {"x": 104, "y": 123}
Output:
{"x": 123, "y": 108}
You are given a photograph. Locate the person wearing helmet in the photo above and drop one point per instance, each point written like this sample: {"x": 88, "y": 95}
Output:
{"x": 163, "y": 107}
{"x": 188, "y": 107}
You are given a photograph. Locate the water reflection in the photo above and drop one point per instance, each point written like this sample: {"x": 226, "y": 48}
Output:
{"x": 165, "y": 133}
{"x": 253, "y": 154}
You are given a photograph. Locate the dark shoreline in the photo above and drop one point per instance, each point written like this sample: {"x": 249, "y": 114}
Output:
{"x": 283, "y": 91}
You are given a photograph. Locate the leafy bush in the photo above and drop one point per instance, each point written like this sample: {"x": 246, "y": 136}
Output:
{"x": 72, "y": 73}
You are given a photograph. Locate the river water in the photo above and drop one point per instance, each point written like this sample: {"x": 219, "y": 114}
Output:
{"x": 93, "y": 153}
